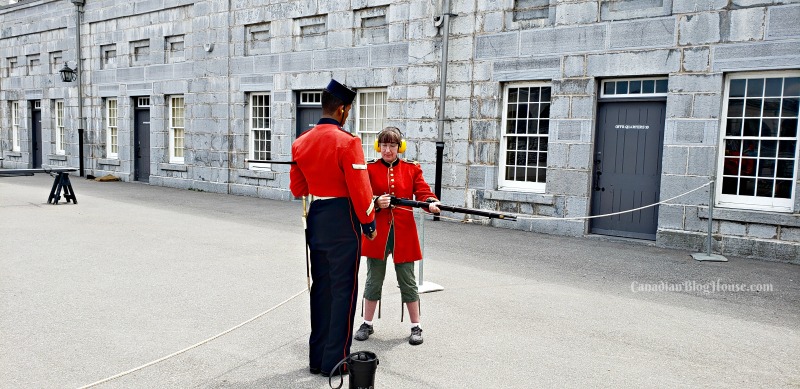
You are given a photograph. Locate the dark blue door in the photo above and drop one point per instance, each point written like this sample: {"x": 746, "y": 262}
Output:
{"x": 627, "y": 168}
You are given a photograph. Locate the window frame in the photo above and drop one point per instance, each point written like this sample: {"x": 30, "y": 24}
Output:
{"x": 15, "y": 120}
{"x": 174, "y": 127}
{"x": 368, "y": 137}
{"x": 61, "y": 136}
{"x": 756, "y": 203}
{"x": 252, "y": 129}
{"x": 112, "y": 129}
{"x": 502, "y": 182}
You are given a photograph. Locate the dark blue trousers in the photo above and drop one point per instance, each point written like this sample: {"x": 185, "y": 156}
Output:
{"x": 334, "y": 237}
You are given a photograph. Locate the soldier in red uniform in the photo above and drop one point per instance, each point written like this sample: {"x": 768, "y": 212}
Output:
{"x": 397, "y": 231}
{"x": 330, "y": 166}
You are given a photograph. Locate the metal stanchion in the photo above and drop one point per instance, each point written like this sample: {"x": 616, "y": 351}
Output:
{"x": 708, "y": 256}
{"x": 422, "y": 285}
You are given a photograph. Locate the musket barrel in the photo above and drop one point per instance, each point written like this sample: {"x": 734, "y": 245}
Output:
{"x": 469, "y": 211}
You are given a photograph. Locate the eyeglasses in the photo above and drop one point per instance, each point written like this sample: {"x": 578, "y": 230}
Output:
{"x": 389, "y": 145}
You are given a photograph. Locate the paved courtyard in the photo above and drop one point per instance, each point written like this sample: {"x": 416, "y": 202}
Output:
{"x": 134, "y": 273}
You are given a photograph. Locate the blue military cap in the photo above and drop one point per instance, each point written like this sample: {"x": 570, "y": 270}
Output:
{"x": 341, "y": 92}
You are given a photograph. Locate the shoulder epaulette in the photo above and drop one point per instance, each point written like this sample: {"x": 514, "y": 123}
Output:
{"x": 406, "y": 160}
{"x": 373, "y": 160}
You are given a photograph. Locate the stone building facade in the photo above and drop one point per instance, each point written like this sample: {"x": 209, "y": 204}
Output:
{"x": 555, "y": 109}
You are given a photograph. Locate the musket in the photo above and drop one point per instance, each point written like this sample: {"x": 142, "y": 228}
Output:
{"x": 469, "y": 211}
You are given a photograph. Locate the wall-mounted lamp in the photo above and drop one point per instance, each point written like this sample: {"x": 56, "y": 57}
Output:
{"x": 68, "y": 74}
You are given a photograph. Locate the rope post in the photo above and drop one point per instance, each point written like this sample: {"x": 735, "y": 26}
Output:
{"x": 707, "y": 256}
{"x": 423, "y": 286}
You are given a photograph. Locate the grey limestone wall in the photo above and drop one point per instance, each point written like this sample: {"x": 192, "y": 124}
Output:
{"x": 216, "y": 53}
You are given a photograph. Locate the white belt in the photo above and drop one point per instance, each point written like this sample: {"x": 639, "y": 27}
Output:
{"x": 315, "y": 198}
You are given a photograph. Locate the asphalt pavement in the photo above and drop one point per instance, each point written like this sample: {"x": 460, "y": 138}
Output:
{"x": 134, "y": 273}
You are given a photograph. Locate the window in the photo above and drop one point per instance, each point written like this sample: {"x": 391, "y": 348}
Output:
{"x": 112, "y": 136}
{"x": 639, "y": 87}
{"x": 371, "y": 118}
{"x": 257, "y": 38}
{"x": 177, "y": 129}
{"x": 760, "y": 141}
{"x": 372, "y": 26}
{"x": 311, "y": 98}
{"x": 15, "y": 126}
{"x": 61, "y": 136}
{"x": 310, "y": 32}
{"x": 33, "y": 64}
{"x": 108, "y": 56}
{"x": 11, "y": 69}
{"x": 525, "y": 133}
{"x": 260, "y": 134}
{"x": 531, "y": 9}
{"x": 56, "y": 62}
{"x": 174, "y": 49}
{"x": 140, "y": 52}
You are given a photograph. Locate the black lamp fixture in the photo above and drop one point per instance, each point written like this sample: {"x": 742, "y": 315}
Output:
{"x": 68, "y": 74}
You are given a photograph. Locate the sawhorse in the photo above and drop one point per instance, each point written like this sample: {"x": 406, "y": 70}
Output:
{"x": 60, "y": 182}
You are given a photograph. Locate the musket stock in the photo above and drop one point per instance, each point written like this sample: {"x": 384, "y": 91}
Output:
{"x": 469, "y": 211}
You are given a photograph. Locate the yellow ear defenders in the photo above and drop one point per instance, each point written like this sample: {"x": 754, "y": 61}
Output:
{"x": 401, "y": 149}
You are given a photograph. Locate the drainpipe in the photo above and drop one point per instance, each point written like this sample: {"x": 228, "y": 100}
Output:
{"x": 445, "y": 20}
{"x": 79, "y": 70}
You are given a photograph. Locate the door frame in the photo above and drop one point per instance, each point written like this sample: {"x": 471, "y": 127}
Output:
{"x": 137, "y": 176}
{"x": 36, "y": 158}
{"x": 592, "y": 197}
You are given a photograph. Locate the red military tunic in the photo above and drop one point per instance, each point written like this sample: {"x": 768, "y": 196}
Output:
{"x": 402, "y": 179}
{"x": 330, "y": 163}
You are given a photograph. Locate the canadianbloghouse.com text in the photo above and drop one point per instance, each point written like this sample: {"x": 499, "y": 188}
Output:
{"x": 716, "y": 286}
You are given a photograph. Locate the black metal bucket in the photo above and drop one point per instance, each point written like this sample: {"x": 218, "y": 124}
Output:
{"x": 361, "y": 366}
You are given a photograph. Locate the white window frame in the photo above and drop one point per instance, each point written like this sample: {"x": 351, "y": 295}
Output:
{"x": 514, "y": 185}
{"x": 753, "y": 202}
{"x": 15, "y": 119}
{"x": 259, "y": 114}
{"x": 371, "y": 116}
{"x": 112, "y": 131}
{"x": 177, "y": 129}
{"x": 61, "y": 133}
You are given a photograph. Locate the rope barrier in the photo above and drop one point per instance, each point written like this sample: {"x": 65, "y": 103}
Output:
{"x": 194, "y": 345}
{"x": 579, "y": 217}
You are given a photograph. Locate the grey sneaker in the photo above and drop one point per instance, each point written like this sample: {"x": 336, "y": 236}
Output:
{"x": 364, "y": 332}
{"x": 416, "y": 336}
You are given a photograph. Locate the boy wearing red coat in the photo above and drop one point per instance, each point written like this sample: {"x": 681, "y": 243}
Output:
{"x": 397, "y": 230}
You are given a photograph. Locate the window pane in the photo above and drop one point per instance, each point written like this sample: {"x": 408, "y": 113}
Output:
{"x": 766, "y": 168}
{"x": 787, "y": 149}
{"x": 729, "y": 185}
{"x": 768, "y": 149}
{"x": 747, "y": 187}
{"x": 736, "y": 108}
{"x": 789, "y": 128}
{"x": 648, "y": 86}
{"x": 755, "y": 87}
{"x": 636, "y": 87}
{"x": 772, "y": 107}
{"x": 790, "y": 108}
{"x": 764, "y": 188}
{"x": 734, "y": 127}
{"x": 752, "y": 127}
{"x": 737, "y": 88}
{"x": 769, "y": 128}
{"x": 791, "y": 86}
{"x": 785, "y": 168}
{"x": 622, "y": 87}
{"x": 752, "y": 108}
{"x": 783, "y": 189}
{"x": 661, "y": 86}
{"x": 608, "y": 88}
{"x": 774, "y": 87}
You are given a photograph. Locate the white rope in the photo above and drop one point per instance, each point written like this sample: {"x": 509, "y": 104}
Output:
{"x": 194, "y": 345}
{"x": 577, "y": 217}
